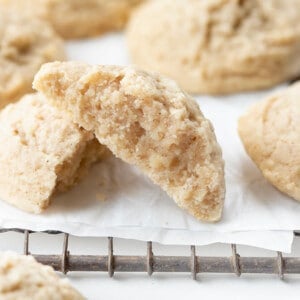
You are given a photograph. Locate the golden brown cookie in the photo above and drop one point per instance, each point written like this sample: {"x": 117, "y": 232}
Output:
{"x": 270, "y": 131}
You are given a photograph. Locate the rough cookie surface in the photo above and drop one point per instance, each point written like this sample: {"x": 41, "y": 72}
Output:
{"x": 146, "y": 120}
{"x": 21, "y": 277}
{"x": 42, "y": 151}
{"x": 78, "y": 18}
{"x": 25, "y": 44}
{"x": 218, "y": 46}
{"x": 270, "y": 131}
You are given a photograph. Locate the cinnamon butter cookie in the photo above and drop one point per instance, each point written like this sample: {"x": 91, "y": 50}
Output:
{"x": 41, "y": 152}
{"x": 25, "y": 44}
{"x": 218, "y": 46}
{"x": 22, "y": 277}
{"x": 148, "y": 121}
{"x": 270, "y": 131}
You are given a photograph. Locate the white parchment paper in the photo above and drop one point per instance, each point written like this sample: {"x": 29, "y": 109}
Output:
{"x": 117, "y": 200}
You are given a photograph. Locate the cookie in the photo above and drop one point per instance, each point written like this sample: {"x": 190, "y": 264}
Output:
{"x": 41, "y": 152}
{"x": 77, "y": 18}
{"x": 25, "y": 44}
{"x": 270, "y": 131}
{"x": 147, "y": 121}
{"x": 22, "y": 277}
{"x": 218, "y": 46}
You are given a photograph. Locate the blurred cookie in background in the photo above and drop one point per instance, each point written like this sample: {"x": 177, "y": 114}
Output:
{"x": 218, "y": 46}
{"x": 78, "y": 18}
{"x": 25, "y": 44}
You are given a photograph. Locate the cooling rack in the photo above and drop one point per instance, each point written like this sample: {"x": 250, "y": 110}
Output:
{"x": 151, "y": 263}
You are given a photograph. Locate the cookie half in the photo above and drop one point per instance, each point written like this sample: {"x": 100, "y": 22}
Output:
{"x": 270, "y": 131}
{"x": 41, "y": 152}
{"x": 148, "y": 121}
{"x": 22, "y": 277}
{"x": 218, "y": 46}
{"x": 25, "y": 44}
{"x": 77, "y": 18}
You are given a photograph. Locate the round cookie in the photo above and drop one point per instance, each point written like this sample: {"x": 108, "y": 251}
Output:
{"x": 218, "y": 46}
{"x": 78, "y": 18}
{"x": 270, "y": 131}
{"x": 25, "y": 44}
{"x": 22, "y": 277}
{"x": 148, "y": 121}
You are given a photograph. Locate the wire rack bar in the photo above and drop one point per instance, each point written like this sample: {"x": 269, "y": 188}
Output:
{"x": 151, "y": 263}
{"x": 178, "y": 264}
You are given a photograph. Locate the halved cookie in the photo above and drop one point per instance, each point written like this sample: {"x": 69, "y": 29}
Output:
{"x": 22, "y": 277}
{"x": 41, "y": 152}
{"x": 270, "y": 131}
{"x": 148, "y": 121}
{"x": 25, "y": 44}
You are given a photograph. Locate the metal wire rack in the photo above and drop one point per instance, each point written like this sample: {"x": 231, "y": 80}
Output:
{"x": 151, "y": 263}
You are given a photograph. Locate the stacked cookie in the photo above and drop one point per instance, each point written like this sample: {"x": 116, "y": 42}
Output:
{"x": 148, "y": 121}
{"x": 45, "y": 151}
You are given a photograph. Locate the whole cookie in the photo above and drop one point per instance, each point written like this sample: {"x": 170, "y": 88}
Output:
{"x": 218, "y": 46}
{"x": 41, "y": 152}
{"x": 78, "y": 18}
{"x": 148, "y": 121}
{"x": 25, "y": 44}
{"x": 270, "y": 131}
{"x": 21, "y": 277}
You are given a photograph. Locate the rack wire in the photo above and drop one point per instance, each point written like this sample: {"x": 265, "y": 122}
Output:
{"x": 150, "y": 263}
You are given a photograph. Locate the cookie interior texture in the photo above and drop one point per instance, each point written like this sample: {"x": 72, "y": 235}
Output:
{"x": 42, "y": 152}
{"x": 77, "y": 18}
{"x": 270, "y": 131}
{"x": 147, "y": 121}
{"x": 218, "y": 46}
{"x": 22, "y": 277}
{"x": 25, "y": 44}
